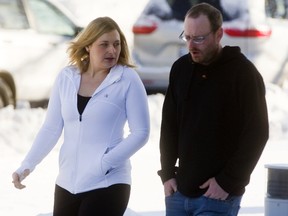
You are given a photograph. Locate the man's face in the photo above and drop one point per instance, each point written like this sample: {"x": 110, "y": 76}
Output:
{"x": 202, "y": 43}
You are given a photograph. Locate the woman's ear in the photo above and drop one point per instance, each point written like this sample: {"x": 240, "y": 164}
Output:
{"x": 87, "y": 49}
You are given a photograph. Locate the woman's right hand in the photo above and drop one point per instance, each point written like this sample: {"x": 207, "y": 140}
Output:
{"x": 18, "y": 178}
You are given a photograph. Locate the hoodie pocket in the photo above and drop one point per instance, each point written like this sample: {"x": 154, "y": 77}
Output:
{"x": 105, "y": 167}
{"x": 94, "y": 165}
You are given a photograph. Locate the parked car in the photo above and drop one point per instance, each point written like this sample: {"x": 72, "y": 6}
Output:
{"x": 258, "y": 27}
{"x": 33, "y": 40}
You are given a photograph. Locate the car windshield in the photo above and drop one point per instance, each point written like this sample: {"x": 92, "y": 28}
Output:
{"x": 180, "y": 7}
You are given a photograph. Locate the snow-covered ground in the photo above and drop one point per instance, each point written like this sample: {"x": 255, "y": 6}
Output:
{"x": 18, "y": 128}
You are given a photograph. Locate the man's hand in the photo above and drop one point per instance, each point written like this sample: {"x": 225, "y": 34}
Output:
{"x": 170, "y": 187}
{"x": 214, "y": 190}
{"x": 18, "y": 178}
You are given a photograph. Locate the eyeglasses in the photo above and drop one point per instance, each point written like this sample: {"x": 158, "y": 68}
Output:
{"x": 195, "y": 39}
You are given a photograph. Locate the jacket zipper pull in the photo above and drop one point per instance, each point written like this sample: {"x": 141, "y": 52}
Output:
{"x": 80, "y": 118}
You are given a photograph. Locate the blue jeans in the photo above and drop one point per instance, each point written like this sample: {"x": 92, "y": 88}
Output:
{"x": 180, "y": 205}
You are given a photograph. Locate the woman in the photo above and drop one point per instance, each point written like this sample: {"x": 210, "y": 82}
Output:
{"x": 91, "y": 101}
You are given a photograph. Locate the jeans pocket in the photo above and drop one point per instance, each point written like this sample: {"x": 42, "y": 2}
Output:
{"x": 228, "y": 207}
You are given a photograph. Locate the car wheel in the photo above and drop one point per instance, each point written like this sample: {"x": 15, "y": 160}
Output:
{"x": 4, "y": 100}
{"x": 8, "y": 85}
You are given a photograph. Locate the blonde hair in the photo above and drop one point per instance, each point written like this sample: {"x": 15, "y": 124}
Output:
{"x": 77, "y": 52}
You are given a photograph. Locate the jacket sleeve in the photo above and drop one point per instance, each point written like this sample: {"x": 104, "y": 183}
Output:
{"x": 169, "y": 133}
{"x": 253, "y": 134}
{"x": 138, "y": 119}
{"x": 48, "y": 134}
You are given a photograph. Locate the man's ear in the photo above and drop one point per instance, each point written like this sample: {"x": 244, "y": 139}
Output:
{"x": 219, "y": 34}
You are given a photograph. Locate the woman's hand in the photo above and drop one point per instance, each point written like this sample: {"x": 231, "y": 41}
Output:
{"x": 18, "y": 178}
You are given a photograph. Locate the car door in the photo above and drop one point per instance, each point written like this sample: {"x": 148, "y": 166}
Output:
{"x": 36, "y": 50}
{"x": 271, "y": 62}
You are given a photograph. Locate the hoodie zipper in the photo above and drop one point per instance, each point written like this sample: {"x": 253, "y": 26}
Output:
{"x": 82, "y": 104}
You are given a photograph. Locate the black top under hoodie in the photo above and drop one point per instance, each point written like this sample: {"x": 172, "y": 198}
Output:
{"x": 214, "y": 122}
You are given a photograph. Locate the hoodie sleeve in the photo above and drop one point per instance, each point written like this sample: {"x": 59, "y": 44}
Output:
{"x": 169, "y": 133}
{"x": 137, "y": 112}
{"x": 48, "y": 134}
{"x": 254, "y": 130}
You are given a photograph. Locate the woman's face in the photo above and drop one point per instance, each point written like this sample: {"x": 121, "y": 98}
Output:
{"x": 104, "y": 52}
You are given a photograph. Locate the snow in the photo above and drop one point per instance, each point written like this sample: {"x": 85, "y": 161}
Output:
{"x": 18, "y": 128}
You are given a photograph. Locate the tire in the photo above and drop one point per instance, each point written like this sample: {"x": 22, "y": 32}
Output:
{"x": 4, "y": 99}
{"x": 8, "y": 86}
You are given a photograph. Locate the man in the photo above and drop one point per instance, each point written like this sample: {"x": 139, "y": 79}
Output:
{"x": 214, "y": 122}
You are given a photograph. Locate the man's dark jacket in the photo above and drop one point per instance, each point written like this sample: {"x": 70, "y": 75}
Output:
{"x": 214, "y": 122}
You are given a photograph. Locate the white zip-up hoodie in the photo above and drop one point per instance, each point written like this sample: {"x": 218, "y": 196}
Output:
{"x": 94, "y": 153}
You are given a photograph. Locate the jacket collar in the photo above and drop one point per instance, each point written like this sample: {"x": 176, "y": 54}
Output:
{"x": 113, "y": 76}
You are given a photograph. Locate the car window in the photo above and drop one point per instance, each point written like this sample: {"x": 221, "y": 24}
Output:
{"x": 49, "y": 19}
{"x": 277, "y": 8}
{"x": 12, "y": 15}
{"x": 180, "y": 7}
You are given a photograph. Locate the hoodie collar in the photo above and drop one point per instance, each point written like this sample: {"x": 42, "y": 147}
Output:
{"x": 113, "y": 76}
